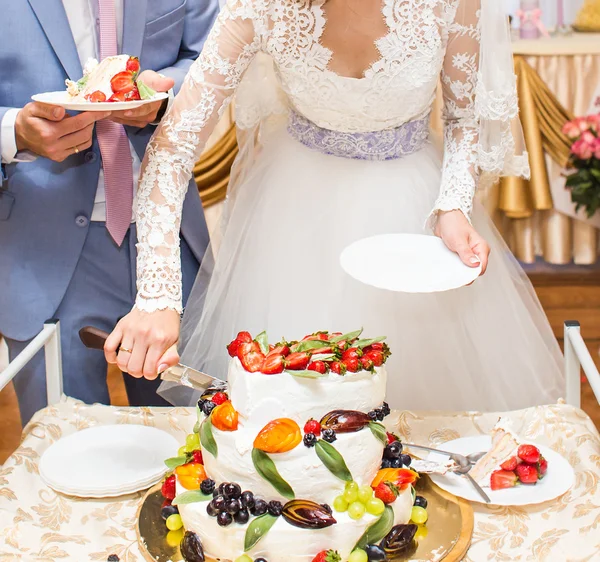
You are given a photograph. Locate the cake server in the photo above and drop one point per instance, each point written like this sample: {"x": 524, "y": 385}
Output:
{"x": 95, "y": 338}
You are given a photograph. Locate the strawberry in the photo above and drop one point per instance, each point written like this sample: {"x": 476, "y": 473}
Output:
{"x": 502, "y": 479}
{"x": 391, "y": 438}
{"x": 312, "y": 426}
{"x": 244, "y": 337}
{"x": 219, "y": 398}
{"x": 166, "y": 503}
{"x": 133, "y": 64}
{"x": 527, "y": 473}
{"x": 327, "y": 556}
{"x": 335, "y": 335}
{"x": 320, "y": 350}
{"x": 134, "y": 95}
{"x": 297, "y": 361}
{"x": 510, "y": 464}
{"x": 353, "y": 364}
{"x": 338, "y": 368}
{"x": 375, "y": 356}
{"x": 96, "y": 97}
{"x": 197, "y": 454}
{"x": 367, "y": 363}
{"x": 273, "y": 365}
{"x": 168, "y": 488}
{"x": 318, "y": 366}
{"x": 386, "y": 492}
{"x": 122, "y": 82}
{"x": 542, "y": 467}
{"x": 377, "y": 346}
{"x": 316, "y": 337}
{"x": 352, "y": 353}
{"x": 232, "y": 348}
{"x": 251, "y": 356}
{"x": 118, "y": 97}
{"x": 529, "y": 453}
{"x": 283, "y": 350}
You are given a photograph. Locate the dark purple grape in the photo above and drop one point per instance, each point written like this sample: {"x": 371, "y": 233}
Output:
{"x": 224, "y": 519}
{"x": 247, "y": 499}
{"x": 380, "y": 414}
{"x": 232, "y": 491}
{"x": 329, "y": 435}
{"x": 386, "y": 409}
{"x": 219, "y": 502}
{"x": 375, "y": 553}
{"x": 406, "y": 460}
{"x": 207, "y": 486}
{"x": 372, "y": 415}
{"x": 113, "y": 558}
{"x": 232, "y": 506}
{"x": 310, "y": 439}
{"x": 212, "y": 510}
{"x": 395, "y": 463}
{"x": 168, "y": 510}
{"x": 222, "y": 488}
{"x": 260, "y": 507}
{"x": 386, "y": 463}
{"x": 241, "y": 517}
{"x": 393, "y": 450}
{"x": 420, "y": 501}
{"x": 275, "y": 508}
{"x": 208, "y": 407}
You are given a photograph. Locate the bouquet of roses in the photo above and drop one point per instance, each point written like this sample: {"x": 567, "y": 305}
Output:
{"x": 583, "y": 177}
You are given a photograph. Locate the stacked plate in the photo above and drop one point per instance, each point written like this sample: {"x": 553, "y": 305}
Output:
{"x": 107, "y": 461}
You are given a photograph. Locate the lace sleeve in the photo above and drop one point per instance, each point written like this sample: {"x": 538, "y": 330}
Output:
{"x": 460, "y": 171}
{"x": 177, "y": 145}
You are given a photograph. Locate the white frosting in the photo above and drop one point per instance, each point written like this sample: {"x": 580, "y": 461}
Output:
{"x": 259, "y": 398}
{"x": 284, "y": 542}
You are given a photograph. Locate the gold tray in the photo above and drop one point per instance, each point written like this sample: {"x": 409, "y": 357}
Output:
{"x": 585, "y": 29}
{"x": 450, "y": 528}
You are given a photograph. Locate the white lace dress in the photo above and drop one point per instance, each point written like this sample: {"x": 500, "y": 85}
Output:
{"x": 333, "y": 159}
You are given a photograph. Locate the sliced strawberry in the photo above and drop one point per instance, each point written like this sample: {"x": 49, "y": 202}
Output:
{"x": 322, "y": 350}
{"x": 387, "y": 492}
{"x": 353, "y": 364}
{"x": 168, "y": 488}
{"x": 391, "y": 438}
{"x": 133, "y": 64}
{"x": 166, "y": 503}
{"x": 352, "y": 353}
{"x": 122, "y": 82}
{"x": 244, "y": 337}
{"x": 318, "y": 366}
{"x": 283, "y": 350}
{"x": 510, "y": 464}
{"x": 376, "y": 357}
{"x": 527, "y": 473}
{"x": 312, "y": 426}
{"x": 338, "y": 368}
{"x": 529, "y": 453}
{"x": 297, "y": 361}
{"x": 232, "y": 348}
{"x": 134, "y": 95}
{"x": 251, "y": 356}
{"x": 320, "y": 336}
{"x": 96, "y": 97}
{"x": 118, "y": 97}
{"x": 219, "y": 398}
{"x": 197, "y": 454}
{"x": 542, "y": 467}
{"x": 273, "y": 364}
{"x": 502, "y": 479}
{"x": 327, "y": 556}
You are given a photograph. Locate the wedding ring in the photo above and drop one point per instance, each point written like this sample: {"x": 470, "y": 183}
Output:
{"x": 125, "y": 350}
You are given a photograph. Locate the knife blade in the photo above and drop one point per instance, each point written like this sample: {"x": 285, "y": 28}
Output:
{"x": 94, "y": 338}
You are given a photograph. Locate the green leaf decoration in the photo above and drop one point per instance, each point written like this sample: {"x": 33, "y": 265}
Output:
{"x": 347, "y": 337}
{"x": 377, "y": 530}
{"x": 323, "y": 357}
{"x": 413, "y": 493}
{"x": 82, "y": 82}
{"x": 308, "y": 345}
{"x": 193, "y": 496}
{"x": 207, "y": 439}
{"x": 333, "y": 461}
{"x": 263, "y": 341}
{"x": 361, "y": 344}
{"x": 266, "y": 468}
{"x": 257, "y": 530}
{"x": 146, "y": 92}
{"x": 307, "y": 374}
{"x": 379, "y": 431}
{"x": 197, "y": 427}
{"x": 174, "y": 462}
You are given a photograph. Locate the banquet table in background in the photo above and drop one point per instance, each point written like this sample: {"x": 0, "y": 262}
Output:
{"x": 37, "y": 524}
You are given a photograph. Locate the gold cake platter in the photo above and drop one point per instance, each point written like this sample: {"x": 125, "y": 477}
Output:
{"x": 448, "y": 537}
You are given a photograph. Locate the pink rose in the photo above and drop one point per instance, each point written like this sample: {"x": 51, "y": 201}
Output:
{"x": 571, "y": 130}
{"x": 594, "y": 122}
{"x": 582, "y": 123}
{"x": 582, "y": 150}
{"x": 596, "y": 148}
{"x": 588, "y": 137}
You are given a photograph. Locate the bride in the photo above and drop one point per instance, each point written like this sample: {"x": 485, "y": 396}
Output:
{"x": 333, "y": 99}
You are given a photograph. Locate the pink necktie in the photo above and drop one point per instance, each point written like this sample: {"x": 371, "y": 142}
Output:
{"x": 114, "y": 145}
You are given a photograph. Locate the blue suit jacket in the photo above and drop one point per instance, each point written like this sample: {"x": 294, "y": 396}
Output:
{"x": 45, "y": 206}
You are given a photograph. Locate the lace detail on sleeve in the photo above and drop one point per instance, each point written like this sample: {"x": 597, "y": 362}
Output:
{"x": 460, "y": 172}
{"x": 177, "y": 145}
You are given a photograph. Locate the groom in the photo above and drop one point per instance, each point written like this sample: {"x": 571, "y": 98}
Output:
{"x": 67, "y": 227}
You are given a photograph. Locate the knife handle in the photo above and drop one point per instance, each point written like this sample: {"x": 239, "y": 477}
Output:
{"x": 93, "y": 338}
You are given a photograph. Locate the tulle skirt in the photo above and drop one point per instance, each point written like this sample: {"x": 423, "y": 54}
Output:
{"x": 484, "y": 347}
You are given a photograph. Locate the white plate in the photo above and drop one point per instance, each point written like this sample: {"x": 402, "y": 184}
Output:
{"x": 558, "y": 480}
{"x": 63, "y": 99}
{"x": 107, "y": 460}
{"x": 408, "y": 263}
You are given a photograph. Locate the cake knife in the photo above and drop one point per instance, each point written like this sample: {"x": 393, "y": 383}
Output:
{"x": 94, "y": 338}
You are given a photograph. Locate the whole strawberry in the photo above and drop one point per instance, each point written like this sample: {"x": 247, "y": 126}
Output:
{"x": 527, "y": 473}
{"x": 318, "y": 366}
{"x": 352, "y": 364}
{"x": 297, "y": 361}
{"x": 542, "y": 467}
{"x": 387, "y": 492}
{"x": 510, "y": 464}
{"x": 327, "y": 556}
{"x": 529, "y": 453}
{"x": 376, "y": 357}
{"x": 168, "y": 488}
{"x": 312, "y": 426}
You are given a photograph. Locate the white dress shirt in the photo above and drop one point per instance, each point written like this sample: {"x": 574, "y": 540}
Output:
{"x": 85, "y": 26}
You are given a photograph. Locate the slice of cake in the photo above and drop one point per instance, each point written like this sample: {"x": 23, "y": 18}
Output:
{"x": 115, "y": 79}
{"x": 292, "y": 463}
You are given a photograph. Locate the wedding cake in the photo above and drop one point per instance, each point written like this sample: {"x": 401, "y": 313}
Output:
{"x": 293, "y": 464}
{"x": 588, "y": 18}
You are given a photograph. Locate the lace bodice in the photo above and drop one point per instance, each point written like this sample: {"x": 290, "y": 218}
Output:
{"x": 425, "y": 39}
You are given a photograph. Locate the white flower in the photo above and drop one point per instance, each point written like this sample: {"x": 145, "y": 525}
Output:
{"x": 72, "y": 87}
{"x": 90, "y": 65}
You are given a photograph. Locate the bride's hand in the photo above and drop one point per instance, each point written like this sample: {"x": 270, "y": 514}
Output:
{"x": 460, "y": 237}
{"x": 147, "y": 342}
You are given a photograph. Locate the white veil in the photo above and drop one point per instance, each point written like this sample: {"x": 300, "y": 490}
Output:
{"x": 261, "y": 108}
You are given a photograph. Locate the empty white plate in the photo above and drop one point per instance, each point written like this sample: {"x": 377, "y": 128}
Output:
{"x": 408, "y": 263}
{"x": 63, "y": 99}
{"x": 107, "y": 460}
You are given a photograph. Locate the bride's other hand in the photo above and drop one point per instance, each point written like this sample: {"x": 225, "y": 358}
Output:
{"x": 460, "y": 237}
{"x": 147, "y": 342}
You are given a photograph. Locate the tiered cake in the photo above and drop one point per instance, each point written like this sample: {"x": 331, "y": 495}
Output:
{"x": 295, "y": 463}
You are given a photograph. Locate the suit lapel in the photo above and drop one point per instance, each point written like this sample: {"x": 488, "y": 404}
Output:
{"x": 53, "y": 19}
{"x": 134, "y": 24}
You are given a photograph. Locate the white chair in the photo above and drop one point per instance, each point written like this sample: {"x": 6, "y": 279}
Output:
{"x": 578, "y": 357}
{"x": 49, "y": 339}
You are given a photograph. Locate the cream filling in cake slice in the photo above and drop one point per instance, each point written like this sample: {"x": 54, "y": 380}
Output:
{"x": 97, "y": 77}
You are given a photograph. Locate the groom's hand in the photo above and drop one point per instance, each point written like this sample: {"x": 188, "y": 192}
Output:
{"x": 48, "y": 131}
{"x": 142, "y": 116}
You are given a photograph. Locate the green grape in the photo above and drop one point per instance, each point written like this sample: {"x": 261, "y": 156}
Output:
{"x": 340, "y": 504}
{"x": 365, "y": 493}
{"x": 351, "y": 486}
{"x": 356, "y": 510}
{"x": 174, "y": 522}
{"x": 375, "y": 506}
{"x": 243, "y": 558}
{"x": 358, "y": 555}
{"x": 421, "y": 533}
{"x": 351, "y": 494}
{"x": 418, "y": 515}
{"x": 182, "y": 451}
{"x": 192, "y": 442}
{"x": 174, "y": 537}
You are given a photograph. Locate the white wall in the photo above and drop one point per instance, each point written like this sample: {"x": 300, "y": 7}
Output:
{"x": 549, "y": 8}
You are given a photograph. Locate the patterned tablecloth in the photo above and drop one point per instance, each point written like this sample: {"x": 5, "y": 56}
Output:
{"x": 39, "y": 525}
